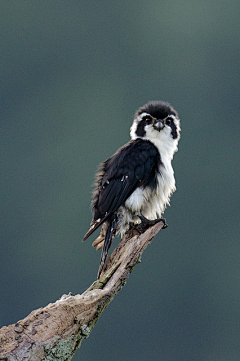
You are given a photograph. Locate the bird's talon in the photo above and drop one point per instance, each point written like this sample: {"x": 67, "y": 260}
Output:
{"x": 163, "y": 220}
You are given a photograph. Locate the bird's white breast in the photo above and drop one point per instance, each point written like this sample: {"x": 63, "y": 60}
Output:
{"x": 151, "y": 203}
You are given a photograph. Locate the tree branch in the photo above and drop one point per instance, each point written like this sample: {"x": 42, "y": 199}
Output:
{"x": 56, "y": 331}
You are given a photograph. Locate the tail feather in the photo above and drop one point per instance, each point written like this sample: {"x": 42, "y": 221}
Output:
{"x": 107, "y": 243}
{"x": 95, "y": 226}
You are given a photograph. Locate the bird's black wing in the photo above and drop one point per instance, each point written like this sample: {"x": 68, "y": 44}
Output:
{"x": 133, "y": 165}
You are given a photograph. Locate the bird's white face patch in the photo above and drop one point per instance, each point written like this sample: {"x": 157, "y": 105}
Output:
{"x": 133, "y": 129}
{"x": 162, "y": 139}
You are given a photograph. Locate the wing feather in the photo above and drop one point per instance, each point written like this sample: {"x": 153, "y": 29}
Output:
{"x": 133, "y": 165}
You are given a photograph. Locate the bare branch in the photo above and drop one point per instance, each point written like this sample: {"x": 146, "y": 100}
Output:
{"x": 56, "y": 331}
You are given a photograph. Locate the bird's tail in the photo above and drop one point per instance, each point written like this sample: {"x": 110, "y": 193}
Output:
{"x": 110, "y": 233}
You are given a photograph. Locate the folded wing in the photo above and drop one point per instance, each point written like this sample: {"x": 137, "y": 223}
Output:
{"x": 134, "y": 165}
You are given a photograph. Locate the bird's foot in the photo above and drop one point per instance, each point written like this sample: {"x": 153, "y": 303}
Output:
{"x": 146, "y": 223}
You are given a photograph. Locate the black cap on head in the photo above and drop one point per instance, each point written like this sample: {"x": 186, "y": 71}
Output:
{"x": 157, "y": 109}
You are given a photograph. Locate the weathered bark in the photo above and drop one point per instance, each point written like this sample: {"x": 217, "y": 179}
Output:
{"x": 56, "y": 331}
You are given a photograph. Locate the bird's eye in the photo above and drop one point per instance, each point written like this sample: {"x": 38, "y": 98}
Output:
{"x": 168, "y": 121}
{"x": 147, "y": 119}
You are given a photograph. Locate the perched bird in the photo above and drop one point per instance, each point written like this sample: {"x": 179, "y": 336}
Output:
{"x": 134, "y": 185}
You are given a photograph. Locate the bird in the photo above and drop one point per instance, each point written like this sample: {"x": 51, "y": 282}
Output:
{"x": 134, "y": 186}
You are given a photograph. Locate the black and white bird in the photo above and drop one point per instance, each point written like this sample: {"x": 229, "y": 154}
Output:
{"x": 134, "y": 185}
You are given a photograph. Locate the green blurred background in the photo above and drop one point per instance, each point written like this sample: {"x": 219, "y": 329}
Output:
{"x": 72, "y": 75}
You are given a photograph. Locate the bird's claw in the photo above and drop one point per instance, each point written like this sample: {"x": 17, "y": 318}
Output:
{"x": 163, "y": 220}
{"x": 146, "y": 223}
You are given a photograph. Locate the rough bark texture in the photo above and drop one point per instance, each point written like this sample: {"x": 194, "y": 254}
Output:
{"x": 56, "y": 331}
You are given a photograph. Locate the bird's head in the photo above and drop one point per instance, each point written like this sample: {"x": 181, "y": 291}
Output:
{"x": 158, "y": 122}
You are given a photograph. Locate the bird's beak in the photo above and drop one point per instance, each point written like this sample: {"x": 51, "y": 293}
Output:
{"x": 158, "y": 124}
